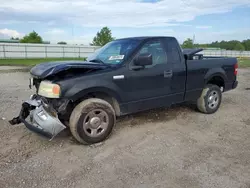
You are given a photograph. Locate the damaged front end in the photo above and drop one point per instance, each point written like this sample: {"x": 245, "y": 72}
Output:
{"x": 47, "y": 112}
{"x": 39, "y": 117}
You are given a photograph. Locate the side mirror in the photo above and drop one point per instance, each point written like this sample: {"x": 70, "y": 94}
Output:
{"x": 143, "y": 60}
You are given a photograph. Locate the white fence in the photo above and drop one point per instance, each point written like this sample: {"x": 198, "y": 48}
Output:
{"x": 8, "y": 50}
{"x": 225, "y": 53}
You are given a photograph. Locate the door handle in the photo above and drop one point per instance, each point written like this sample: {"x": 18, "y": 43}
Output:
{"x": 168, "y": 74}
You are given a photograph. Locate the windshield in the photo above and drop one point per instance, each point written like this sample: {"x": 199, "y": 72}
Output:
{"x": 114, "y": 52}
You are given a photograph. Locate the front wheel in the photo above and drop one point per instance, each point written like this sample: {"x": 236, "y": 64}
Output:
{"x": 210, "y": 99}
{"x": 92, "y": 121}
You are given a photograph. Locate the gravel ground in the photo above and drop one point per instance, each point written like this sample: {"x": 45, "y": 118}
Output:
{"x": 175, "y": 147}
{"x": 11, "y": 69}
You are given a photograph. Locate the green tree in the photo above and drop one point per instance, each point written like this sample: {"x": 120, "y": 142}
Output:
{"x": 102, "y": 37}
{"x": 239, "y": 47}
{"x": 246, "y": 44}
{"x": 32, "y": 37}
{"x": 227, "y": 45}
{"x": 62, "y": 42}
{"x": 202, "y": 45}
{"x": 188, "y": 43}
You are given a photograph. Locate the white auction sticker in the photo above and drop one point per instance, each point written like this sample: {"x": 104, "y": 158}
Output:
{"x": 116, "y": 57}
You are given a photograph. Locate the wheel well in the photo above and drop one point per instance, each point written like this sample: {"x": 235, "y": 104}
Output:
{"x": 104, "y": 96}
{"x": 217, "y": 80}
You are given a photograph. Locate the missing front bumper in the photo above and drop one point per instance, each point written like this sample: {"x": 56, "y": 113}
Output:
{"x": 36, "y": 118}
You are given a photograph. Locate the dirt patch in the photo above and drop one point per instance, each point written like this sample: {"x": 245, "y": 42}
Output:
{"x": 176, "y": 147}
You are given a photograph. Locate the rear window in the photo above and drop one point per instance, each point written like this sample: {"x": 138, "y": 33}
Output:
{"x": 173, "y": 51}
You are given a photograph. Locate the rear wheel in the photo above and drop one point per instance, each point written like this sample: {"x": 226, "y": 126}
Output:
{"x": 92, "y": 121}
{"x": 210, "y": 99}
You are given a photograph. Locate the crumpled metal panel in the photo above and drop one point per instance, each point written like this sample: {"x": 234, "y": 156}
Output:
{"x": 40, "y": 118}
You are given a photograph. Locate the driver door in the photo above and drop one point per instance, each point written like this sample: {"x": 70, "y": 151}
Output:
{"x": 148, "y": 87}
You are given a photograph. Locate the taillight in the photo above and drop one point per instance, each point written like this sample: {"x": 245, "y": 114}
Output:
{"x": 236, "y": 69}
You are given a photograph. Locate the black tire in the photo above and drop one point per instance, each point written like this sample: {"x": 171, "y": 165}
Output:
{"x": 78, "y": 117}
{"x": 203, "y": 103}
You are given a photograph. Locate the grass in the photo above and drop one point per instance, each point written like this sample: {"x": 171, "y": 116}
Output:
{"x": 244, "y": 62}
{"x": 32, "y": 62}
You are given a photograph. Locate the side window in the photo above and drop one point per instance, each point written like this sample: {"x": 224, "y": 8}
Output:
{"x": 157, "y": 51}
{"x": 173, "y": 51}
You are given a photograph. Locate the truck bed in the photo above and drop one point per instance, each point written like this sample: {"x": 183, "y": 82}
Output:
{"x": 200, "y": 70}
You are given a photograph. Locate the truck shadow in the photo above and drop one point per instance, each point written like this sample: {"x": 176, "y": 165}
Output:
{"x": 148, "y": 116}
{"x": 155, "y": 115}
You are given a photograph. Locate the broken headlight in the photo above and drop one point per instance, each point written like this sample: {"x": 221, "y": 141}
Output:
{"x": 49, "y": 90}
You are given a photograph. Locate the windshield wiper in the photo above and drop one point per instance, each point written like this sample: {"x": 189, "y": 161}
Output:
{"x": 97, "y": 61}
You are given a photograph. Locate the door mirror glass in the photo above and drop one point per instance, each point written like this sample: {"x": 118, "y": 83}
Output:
{"x": 143, "y": 59}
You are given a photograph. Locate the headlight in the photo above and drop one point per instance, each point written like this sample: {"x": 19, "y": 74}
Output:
{"x": 49, "y": 90}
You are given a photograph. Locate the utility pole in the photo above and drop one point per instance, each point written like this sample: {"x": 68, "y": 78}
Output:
{"x": 73, "y": 35}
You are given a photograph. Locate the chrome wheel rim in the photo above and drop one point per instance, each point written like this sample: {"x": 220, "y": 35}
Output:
{"x": 95, "y": 123}
{"x": 213, "y": 99}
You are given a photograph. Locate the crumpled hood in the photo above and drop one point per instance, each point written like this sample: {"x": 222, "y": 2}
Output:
{"x": 44, "y": 70}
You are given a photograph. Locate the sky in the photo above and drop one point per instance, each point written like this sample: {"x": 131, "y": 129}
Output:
{"x": 78, "y": 21}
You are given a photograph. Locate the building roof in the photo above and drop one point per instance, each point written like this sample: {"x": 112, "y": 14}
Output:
{"x": 9, "y": 41}
{"x": 17, "y": 41}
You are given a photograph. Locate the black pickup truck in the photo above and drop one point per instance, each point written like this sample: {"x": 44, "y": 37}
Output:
{"x": 123, "y": 77}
